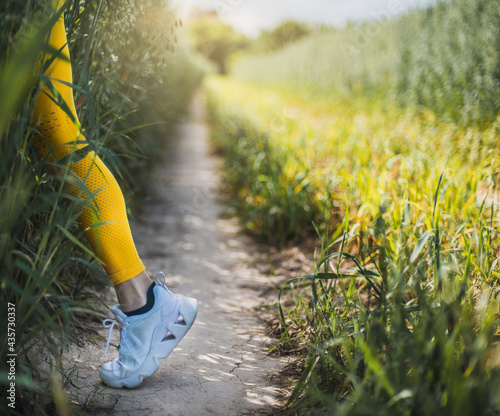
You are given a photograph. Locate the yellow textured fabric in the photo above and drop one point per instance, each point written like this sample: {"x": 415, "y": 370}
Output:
{"x": 103, "y": 218}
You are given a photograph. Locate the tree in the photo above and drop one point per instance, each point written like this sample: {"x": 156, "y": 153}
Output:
{"x": 284, "y": 34}
{"x": 215, "y": 39}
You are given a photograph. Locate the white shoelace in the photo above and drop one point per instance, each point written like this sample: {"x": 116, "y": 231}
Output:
{"x": 110, "y": 324}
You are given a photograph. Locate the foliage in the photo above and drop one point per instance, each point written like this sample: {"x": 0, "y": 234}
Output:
{"x": 215, "y": 39}
{"x": 286, "y": 33}
{"x": 36, "y": 246}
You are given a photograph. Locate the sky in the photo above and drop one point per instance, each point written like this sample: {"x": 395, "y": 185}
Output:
{"x": 252, "y": 16}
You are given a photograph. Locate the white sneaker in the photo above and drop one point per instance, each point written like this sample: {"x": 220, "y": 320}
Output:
{"x": 147, "y": 337}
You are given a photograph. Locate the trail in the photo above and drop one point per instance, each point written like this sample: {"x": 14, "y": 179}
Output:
{"x": 220, "y": 367}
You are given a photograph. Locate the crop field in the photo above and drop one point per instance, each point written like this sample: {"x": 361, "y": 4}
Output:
{"x": 388, "y": 150}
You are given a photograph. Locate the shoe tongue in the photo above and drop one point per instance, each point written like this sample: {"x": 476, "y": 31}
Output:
{"x": 119, "y": 314}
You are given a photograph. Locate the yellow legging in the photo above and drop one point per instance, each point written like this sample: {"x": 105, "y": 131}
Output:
{"x": 103, "y": 218}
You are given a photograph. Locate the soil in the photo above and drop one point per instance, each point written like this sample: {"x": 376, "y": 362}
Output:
{"x": 222, "y": 366}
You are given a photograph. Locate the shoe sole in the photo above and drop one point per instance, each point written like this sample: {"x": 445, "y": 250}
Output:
{"x": 188, "y": 309}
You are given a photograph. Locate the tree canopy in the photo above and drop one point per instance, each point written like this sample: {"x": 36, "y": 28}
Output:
{"x": 215, "y": 39}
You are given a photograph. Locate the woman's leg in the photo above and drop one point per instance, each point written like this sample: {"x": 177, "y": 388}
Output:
{"x": 103, "y": 218}
{"x": 156, "y": 318}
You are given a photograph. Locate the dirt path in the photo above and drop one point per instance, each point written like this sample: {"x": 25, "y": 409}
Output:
{"x": 220, "y": 368}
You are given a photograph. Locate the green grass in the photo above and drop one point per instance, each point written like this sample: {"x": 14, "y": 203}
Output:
{"x": 292, "y": 163}
{"x": 399, "y": 317}
{"x": 411, "y": 330}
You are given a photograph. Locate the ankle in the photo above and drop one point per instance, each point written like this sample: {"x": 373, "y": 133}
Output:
{"x": 150, "y": 302}
{"x": 132, "y": 294}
